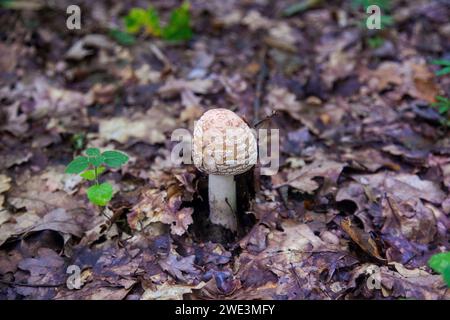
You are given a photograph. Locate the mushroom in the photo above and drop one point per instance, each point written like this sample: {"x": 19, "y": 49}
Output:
{"x": 223, "y": 146}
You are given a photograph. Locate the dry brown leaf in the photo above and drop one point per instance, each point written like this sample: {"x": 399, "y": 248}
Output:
{"x": 361, "y": 238}
{"x": 411, "y": 77}
{"x": 181, "y": 268}
{"x": 168, "y": 291}
{"x": 177, "y": 86}
{"x": 151, "y": 127}
{"x": 17, "y": 224}
{"x": 403, "y": 186}
{"x": 303, "y": 179}
{"x": 410, "y": 218}
{"x": 281, "y": 99}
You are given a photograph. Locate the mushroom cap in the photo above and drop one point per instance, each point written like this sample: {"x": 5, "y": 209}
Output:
{"x": 223, "y": 143}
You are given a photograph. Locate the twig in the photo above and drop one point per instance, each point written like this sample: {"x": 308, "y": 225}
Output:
{"x": 260, "y": 85}
{"x": 161, "y": 57}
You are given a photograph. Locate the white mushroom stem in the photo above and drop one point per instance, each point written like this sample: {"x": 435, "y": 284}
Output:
{"x": 222, "y": 201}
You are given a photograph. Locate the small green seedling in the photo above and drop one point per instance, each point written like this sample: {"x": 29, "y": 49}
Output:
{"x": 445, "y": 64}
{"x": 440, "y": 263}
{"x": 177, "y": 29}
{"x": 443, "y": 106}
{"x": 375, "y": 42}
{"x": 91, "y": 166}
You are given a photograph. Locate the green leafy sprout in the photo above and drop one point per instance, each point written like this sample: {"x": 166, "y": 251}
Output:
{"x": 91, "y": 166}
{"x": 178, "y": 28}
{"x": 375, "y": 42}
{"x": 443, "y": 107}
{"x": 445, "y": 67}
{"x": 440, "y": 263}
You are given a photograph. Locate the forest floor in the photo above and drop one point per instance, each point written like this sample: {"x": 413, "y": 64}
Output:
{"x": 358, "y": 206}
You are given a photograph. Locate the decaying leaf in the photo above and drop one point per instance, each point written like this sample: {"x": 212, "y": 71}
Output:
{"x": 151, "y": 127}
{"x": 303, "y": 179}
{"x": 362, "y": 239}
{"x": 168, "y": 291}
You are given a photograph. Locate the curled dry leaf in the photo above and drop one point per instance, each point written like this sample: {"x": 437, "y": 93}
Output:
{"x": 361, "y": 238}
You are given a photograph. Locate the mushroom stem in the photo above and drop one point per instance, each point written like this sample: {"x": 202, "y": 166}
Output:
{"x": 222, "y": 201}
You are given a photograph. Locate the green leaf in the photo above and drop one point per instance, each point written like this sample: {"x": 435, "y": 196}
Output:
{"x": 114, "y": 158}
{"x": 441, "y": 62}
{"x": 77, "y": 165}
{"x": 90, "y": 174}
{"x": 100, "y": 194}
{"x": 384, "y": 5}
{"x": 443, "y": 109}
{"x": 375, "y": 42}
{"x": 178, "y": 28}
{"x": 152, "y": 25}
{"x": 135, "y": 19}
{"x": 446, "y": 276}
{"x": 443, "y": 72}
{"x": 386, "y": 21}
{"x": 93, "y": 152}
{"x": 122, "y": 38}
{"x": 300, "y": 7}
{"x": 440, "y": 262}
{"x": 96, "y": 161}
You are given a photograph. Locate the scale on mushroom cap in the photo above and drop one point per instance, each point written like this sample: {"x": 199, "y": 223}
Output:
{"x": 223, "y": 146}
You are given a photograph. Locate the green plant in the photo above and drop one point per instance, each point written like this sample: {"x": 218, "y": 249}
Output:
{"x": 375, "y": 42}
{"x": 443, "y": 106}
{"x": 445, "y": 64}
{"x": 384, "y": 5}
{"x": 91, "y": 166}
{"x": 440, "y": 263}
{"x": 177, "y": 29}
{"x": 123, "y": 38}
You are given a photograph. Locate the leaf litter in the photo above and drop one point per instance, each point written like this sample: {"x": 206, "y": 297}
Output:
{"x": 363, "y": 187}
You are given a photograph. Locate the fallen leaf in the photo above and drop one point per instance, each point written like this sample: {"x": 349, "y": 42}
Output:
{"x": 303, "y": 179}
{"x": 151, "y": 127}
{"x": 361, "y": 238}
{"x": 168, "y": 291}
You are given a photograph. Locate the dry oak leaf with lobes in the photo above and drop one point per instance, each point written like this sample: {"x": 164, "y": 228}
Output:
{"x": 181, "y": 268}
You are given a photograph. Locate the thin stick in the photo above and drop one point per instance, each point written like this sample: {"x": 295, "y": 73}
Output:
{"x": 260, "y": 84}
